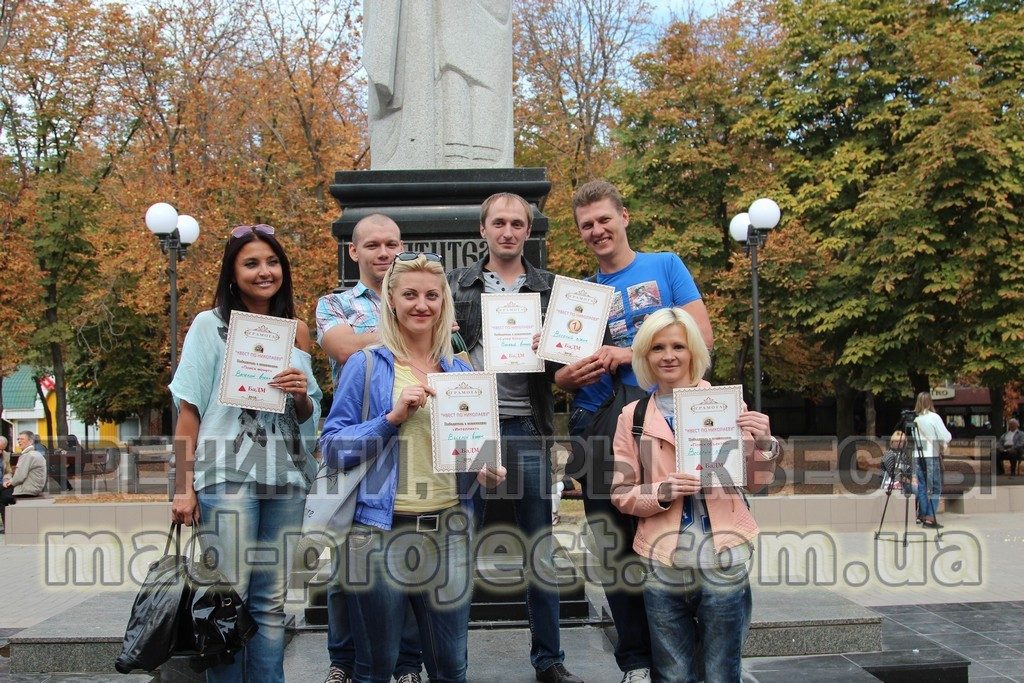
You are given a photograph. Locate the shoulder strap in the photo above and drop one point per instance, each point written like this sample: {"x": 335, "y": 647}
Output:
{"x": 639, "y": 415}
{"x": 366, "y": 383}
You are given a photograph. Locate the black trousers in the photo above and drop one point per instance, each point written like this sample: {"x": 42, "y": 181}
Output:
{"x": 6, "y": 498}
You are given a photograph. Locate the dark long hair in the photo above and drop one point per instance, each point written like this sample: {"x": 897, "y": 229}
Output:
{"x": 227, "y": 298}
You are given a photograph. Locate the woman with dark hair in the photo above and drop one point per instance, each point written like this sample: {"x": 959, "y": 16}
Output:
{"x": 243, "y": 474}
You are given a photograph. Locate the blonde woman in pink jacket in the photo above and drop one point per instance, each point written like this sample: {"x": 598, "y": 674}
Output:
{"x": 697, "y": 541}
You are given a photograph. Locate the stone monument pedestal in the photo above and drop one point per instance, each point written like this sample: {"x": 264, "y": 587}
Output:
{"x": 437, "y": 210}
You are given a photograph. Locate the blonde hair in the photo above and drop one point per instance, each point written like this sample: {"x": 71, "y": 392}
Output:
{"x": 391, "y": 334}
{"x": 924, "y": 403}
{"x": 700, "y": 358}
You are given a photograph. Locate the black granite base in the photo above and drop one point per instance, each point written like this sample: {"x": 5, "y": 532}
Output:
{"x": 979, "y": 641}
{"x": 436, "y": 210}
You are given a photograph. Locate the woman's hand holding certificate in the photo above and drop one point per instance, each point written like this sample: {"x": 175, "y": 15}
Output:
{"x": 464, "y": 427}
{"x": 708, "y": 434}
{"x": 257, "y": 353}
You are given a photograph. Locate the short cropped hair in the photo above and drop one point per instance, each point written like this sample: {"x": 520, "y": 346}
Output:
{"x": 378, "y": 219}
{"x": 485, "y": 208}
{"x": 595, "y": 191}
{"x": 441, "y": 335}
{"x": 700, "y": 358}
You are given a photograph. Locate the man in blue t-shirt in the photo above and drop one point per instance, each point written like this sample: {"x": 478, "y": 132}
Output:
{"x": 643, "y": 284}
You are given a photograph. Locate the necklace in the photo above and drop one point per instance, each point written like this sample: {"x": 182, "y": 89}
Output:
{"x": 406, "y": 361}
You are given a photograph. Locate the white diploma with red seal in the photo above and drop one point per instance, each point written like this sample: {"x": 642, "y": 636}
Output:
{"x": 576, "y": 319}
{"x": 509, "y": 323}
{"x": 257, "y": 348}
{"x": 708, "y": 441}
{"x": 464, "y": 430}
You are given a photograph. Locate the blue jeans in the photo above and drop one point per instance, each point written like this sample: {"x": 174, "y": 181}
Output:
{"x": 929, "y": 486}
{"x": 633, "y": 646}
{"x": 715, "y": 614}
{"x": 251, "y": 528}
{"x": 386, "y": 572}
{"x": 528, "y": 486}
{"x": 341, "y": 646}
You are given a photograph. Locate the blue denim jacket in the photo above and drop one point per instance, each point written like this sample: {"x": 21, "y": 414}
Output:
{"x": 346, "y": 440}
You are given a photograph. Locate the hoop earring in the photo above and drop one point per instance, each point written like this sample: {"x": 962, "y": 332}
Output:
{"x": 232, "y": 289}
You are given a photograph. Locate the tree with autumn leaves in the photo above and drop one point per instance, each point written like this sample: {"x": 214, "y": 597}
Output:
{"x": 889, "y": 131}
{"x": 235, "y": 112}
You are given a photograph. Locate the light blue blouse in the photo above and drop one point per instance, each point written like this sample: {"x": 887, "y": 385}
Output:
{"x": 237, "y": 445}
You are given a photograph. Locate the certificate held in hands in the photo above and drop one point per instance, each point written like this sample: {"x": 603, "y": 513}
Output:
{"x": 509, "y": 323}
{"x": 708, "y": 441}
{"x": 257, "y": 348}
{"x": 576, "y": 319}
{"x": 464, "y": 429}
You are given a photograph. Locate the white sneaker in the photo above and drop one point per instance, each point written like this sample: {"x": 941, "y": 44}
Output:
{"x": 409, "y": 678}
{"x": 637, "y": 676}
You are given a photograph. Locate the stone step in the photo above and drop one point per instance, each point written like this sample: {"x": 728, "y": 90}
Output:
{"x": 87, "y": 638}
{"x": 893, "y": 666}
{"x": 785, "y": 622}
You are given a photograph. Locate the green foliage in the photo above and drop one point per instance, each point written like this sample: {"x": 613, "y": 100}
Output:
{"x": 902, "y": 166}
{"x": 890, "y": 132}
{"x": 116, "y": 369}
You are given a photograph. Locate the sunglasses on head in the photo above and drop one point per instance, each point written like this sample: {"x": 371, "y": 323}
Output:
{"x": 413, "y": 255}
{"x": 242, "y": 230}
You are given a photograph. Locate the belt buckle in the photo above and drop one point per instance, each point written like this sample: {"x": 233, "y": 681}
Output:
{"x": 427, "y": 522}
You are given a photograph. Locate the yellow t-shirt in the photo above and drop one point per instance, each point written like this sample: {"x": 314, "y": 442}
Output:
{"x": 419, "y": 488}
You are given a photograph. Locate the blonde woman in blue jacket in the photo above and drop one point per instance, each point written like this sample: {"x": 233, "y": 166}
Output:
{"x": 404, "y": 507}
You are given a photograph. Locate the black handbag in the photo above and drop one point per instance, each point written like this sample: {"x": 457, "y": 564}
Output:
{"x": 592, "y": 457}
{"x": 184, "y": 608}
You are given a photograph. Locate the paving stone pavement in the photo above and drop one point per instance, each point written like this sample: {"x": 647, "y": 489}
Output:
{"x": 992, "y": 542}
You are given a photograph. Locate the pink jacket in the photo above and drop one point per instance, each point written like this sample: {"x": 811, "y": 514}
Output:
{"x": 658, "y": 532}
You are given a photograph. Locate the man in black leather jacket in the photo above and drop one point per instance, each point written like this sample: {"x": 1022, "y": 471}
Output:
{"x": 525, "y": 406}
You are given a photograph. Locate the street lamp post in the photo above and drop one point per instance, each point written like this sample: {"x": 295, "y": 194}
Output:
{"x": 751, "y": 228}
{"x": 175, "y": 234}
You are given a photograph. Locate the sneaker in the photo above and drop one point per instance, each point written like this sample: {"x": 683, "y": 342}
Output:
{"x": 337, "y": 675}
{"x": 637, "y": 676}
{"x": 409, "y": 678}
{"x": 557, "y": 673}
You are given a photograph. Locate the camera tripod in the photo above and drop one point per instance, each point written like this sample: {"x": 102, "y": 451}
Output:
{"x": 897, "y": 467}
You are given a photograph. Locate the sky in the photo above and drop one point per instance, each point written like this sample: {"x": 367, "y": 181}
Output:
{"x": 664, "y": 9}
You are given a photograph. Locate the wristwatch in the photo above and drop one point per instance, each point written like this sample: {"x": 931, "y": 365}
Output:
{"x": 774, "y": 451}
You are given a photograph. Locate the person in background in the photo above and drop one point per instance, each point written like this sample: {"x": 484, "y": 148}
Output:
{"x": 933, "y": 437}
{"x": 1010, "y": 447}
{"x": 345, "y": 323}
{"x": 697, "y": 540}
{"x": 29, "y": 476}
{"x": 243, "y": 473}
{"x": 5, "y": 458}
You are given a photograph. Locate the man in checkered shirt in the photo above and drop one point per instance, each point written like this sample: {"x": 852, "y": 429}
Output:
{"x": 345, "y": 323}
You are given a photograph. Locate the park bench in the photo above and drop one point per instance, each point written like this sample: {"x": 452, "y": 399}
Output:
{"x": 155, "y": 454}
